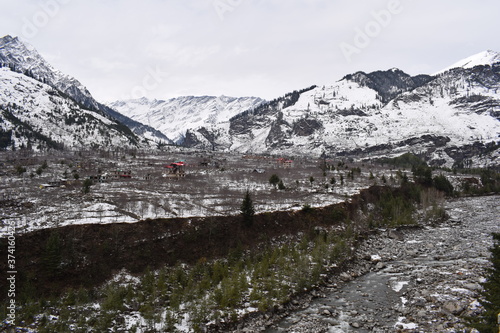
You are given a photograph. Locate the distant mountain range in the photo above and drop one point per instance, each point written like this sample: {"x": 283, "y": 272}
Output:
{"x": 175, "y": 116}
{"x": 384, "y": 112}
{"x": 448, "y": 118}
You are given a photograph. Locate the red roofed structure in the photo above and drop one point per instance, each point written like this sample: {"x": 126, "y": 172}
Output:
{"x": 283, "y": 162}
{"x": 175, "y": 169}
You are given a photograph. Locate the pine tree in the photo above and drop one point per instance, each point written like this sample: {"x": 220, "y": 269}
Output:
{"x": 441, "y": 183}
{"x": 52, "y": 255}
{"x": 422, "y": 174}
{"x": 86, "y": 185}
{"x": 247, "y": 209}
{"x": 274, "y": 180}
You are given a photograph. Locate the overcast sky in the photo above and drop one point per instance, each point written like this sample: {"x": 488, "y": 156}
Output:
{"x": 167, "y": 48}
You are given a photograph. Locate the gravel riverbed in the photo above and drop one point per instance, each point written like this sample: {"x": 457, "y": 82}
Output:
{"x": 411, "y": 280}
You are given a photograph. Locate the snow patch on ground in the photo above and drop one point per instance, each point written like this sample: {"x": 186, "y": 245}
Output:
{"x": 397, "y": 286}
{"x": 402, "y": 323}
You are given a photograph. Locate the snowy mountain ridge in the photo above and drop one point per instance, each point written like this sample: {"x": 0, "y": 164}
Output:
{"x": 488, "y": 57}
{"x": 175, "y": 116}
{"x": 37, "y": 116}
{"x": 445, "y": 118}
{"x": 24, "y": 58}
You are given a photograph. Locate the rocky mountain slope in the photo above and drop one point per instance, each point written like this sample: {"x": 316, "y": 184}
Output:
{"x": 38, "y": 116}
{"x": 24, "y": 58}
{"x": 446, "y": 118}
{"x": 176, "y": 116}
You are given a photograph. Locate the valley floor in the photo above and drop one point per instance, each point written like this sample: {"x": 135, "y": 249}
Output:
{"x": 214, "y": 185}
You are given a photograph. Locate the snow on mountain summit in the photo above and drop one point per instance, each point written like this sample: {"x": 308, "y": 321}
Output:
{"x": 34, "y": 114}
{"x": 24, "y": 58}
{"x": 369, "y": 114}
{"x": 445, "y": 117}
{"x": 488, "y": 57}
{"x": 174, "y": 116}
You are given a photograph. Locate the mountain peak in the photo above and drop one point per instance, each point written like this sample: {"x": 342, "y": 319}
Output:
{"x": 6, "y": 39}
{"x": 16, "y": 43}
{"x": 388, "y": 83}
{"x": 487, "y": 57}
{"x": 24, "y": 57}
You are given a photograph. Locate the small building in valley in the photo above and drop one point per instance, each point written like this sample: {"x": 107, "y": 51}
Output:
{"x": 175, "y": 170}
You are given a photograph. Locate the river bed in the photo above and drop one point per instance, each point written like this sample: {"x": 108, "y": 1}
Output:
{"x": 411, "y": 280}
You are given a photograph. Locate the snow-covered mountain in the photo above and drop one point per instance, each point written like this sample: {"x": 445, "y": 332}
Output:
{"x": 176, "y": 116}
{"x": 447, "y": 118}
{"x": 24, "y": 58}
{"x": 483, "y": 58}
{"x": 21, "y": 57}
{"x": 38, "y": 116}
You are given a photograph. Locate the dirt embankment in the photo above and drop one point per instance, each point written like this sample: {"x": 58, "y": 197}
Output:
{"x": 50, "y": 261}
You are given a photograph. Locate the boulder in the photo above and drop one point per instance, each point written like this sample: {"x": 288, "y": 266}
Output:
{"x": 454, "y": 307}
{"x": 396, "y": 235}
{"x": 355, "y": 325}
